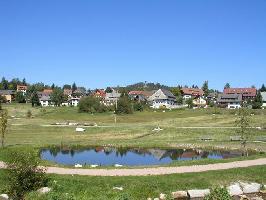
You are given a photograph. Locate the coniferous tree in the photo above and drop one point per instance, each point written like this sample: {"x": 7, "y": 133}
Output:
{"x": 263, "y": 88}
{"x": 34, "y": 98}
{"x": 20, "y": 98}
{"x": 257, "y": 103}
{"x": 24, "y": 82}
{"x": 227, "y": 85}
{"x": 205, "y": 88}
{"x": 4, "y": 84}
{"x": 74, "y": 87}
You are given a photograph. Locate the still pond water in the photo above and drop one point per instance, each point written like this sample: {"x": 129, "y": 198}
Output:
{"x": 108, "y": 156}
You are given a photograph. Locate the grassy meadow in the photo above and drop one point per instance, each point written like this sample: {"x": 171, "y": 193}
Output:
{"x": 181, "y": 128}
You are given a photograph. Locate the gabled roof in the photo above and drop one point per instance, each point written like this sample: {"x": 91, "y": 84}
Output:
{"x": 47, "y": 91}
{"x": 192, "y": 91}
{"x": 244, "y": 91}
{"x": 67, "y": 91}
{"x": 22, "y": 87}
{"x": 7, "y": 92}
{"x": 45, "y": 98}
{"x": 162, "y": 94}
{"x": 229, "y": 98}
{"x": 112, "y": 95}
{"x": 168, "y": 93}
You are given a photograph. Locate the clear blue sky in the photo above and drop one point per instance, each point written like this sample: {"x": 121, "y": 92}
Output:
{"x": 118, "y": 42}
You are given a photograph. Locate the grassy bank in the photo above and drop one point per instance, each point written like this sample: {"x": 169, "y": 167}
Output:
{"x": 140, "y": 188}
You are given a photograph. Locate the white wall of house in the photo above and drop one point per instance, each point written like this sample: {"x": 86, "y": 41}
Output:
{"x": 187, "y": 96}
{"x": 234, "y": 106}
{"x": 75, "y": 102}
{"x": 158, "y": 103}
{"x": 44, "y": 103}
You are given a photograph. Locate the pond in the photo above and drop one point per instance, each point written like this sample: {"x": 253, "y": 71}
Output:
{"x": 109, "y": 156}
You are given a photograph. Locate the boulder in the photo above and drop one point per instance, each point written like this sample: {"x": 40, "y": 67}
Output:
{"x": 180, "y": 195}
{"x": 162, "y": 196}
{"x": 118, "y": 188}
{"x": 198, "y": 193}
{"x": 235, "y": 189}
{"x": 257, "y": 198}
{"x": 117, "y": 165}
{"x": 78, "y": 166}
{"x": 44, "y": 190}
{"x": 80, "y": 129}
{"x": 250, "y": 187}
{"x": 4, "y": 197}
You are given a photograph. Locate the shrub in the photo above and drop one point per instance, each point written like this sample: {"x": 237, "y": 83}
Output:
{"x": 218, "y": 193}
{"x": 29, "y": 114}
{"x": 23, "y": 174}
{"x": 123, "y": 106}
{"x": 20, "y": 98}
{"x": 91, "y": 105}
{"x": 138, "y": 107}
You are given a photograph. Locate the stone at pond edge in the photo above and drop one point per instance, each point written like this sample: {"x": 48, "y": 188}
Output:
{"x": 250, "y": 188}
{"x": 198, "y": 193}
{"x": 180, "y": 195}
{"x": 44, "y": 190}
{"x": 235, "y": 190}
{"x": 4, "y": 197}
{"x": 162, "y": 196}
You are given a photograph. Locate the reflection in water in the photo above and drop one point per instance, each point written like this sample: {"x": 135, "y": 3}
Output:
{"x": 108, "y": 156}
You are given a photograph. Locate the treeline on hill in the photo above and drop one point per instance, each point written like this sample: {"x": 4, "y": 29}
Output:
{"x": 91, "y": 104}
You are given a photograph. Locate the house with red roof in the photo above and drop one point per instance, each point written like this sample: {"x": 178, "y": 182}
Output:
{"x": 189, "y": 93}
{"x": 247, "y": 93}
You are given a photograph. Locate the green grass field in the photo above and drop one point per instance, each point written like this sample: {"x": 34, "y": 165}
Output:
{"x": 181, "y": 128}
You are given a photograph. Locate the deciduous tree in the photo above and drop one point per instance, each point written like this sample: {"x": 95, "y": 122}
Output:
{"x": 20, "y": 98}
{"x": 243, "y": 123}
{"x": 3, "y": 125}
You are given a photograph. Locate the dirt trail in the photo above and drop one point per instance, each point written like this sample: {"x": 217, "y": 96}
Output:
{"x": 154, "y": 171}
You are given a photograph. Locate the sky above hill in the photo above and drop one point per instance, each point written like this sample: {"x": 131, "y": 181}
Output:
{"x": 117, "y": 42}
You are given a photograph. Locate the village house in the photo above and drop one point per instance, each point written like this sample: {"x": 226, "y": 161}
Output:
{"x": 163, "y": 99}
{"x": 230, "y": 101}
{"x": 99, "y": 93}
{"x": 199, "y": 101}
{"x": 45, "y": 100}
{"x": 8, "y": 94}
{"x": 140, "y": 95}
{"x": 189, "y": 93}
{"x": 247, "y": 93}
{"x": 22, "y": 88}
{"x": 68, "y": 92}
{"x": 263, "y": 94}
{"x": 74, "y": 101}
{"x": 111, "y": 99}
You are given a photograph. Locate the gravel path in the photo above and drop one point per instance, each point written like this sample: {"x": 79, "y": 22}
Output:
{"x": 154, "y": 171}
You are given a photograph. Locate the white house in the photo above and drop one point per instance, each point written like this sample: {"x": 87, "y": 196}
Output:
{"x": 162, "y": 99}
{"x": 74, "y": 101}
{"x": 111, "y": 98}
{"x": 199, "y": 102}
{"x": 45, "y": 101}
{"x": 263, "y": 94}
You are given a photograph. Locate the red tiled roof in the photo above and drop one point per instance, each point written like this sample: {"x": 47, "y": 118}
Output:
{"x": 192, "y": 91}
{"x": 243, "y": 91}
{"x": 100, "y": 93}
{"x": 22, "y": 87}
{"x": 48, "y": 91}
{"x": 67, "y": 91}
